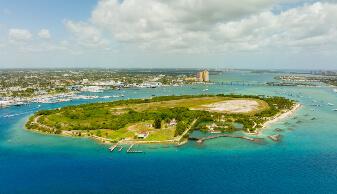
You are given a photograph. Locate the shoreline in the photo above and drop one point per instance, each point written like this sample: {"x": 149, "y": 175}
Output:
{"x": 281, "y": 116}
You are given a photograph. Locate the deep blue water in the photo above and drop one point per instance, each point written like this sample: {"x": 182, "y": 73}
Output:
{"x": 305, "y": 161}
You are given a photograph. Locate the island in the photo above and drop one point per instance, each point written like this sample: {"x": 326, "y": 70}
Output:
{"x": 162, "y": 119}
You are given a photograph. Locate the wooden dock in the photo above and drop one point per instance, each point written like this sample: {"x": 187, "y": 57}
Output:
{"x": 112, "y": 148}
{"x": 129, "y": 150}
{"x": 120, "y": 149}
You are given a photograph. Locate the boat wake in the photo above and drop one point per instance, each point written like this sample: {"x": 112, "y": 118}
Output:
{"x": 22, "y": 113}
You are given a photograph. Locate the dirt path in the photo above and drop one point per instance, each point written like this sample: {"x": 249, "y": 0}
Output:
{"x": 35, "y": 121}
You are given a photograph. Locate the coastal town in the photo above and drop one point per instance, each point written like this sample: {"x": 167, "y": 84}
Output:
{"x": 311, "y": 78}
{"x": 19, "y": 87}
{"x": 23, "y": 86}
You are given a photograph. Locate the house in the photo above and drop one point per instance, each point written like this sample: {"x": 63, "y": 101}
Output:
{"x": 173, "y": 122}
{"x": 142, "y": 135}
{"x": 212, "y": 126}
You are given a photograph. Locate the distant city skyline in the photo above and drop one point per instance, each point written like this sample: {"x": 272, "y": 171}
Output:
{"x": 252, "y": 34}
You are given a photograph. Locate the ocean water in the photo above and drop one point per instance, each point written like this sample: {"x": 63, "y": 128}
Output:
{"x": 305, "y": 161}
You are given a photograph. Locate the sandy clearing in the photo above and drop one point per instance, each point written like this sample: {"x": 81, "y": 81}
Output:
{"x": 233, "y": 106}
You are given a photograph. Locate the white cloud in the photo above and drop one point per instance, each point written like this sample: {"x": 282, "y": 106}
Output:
{"x": 307, "y": 27}
{"x": 44, "y": 34}
{"x": 195, "y": 26}
{"x": 147, "y": 20}
{"x": 213, "y": 26}
{"x": 19, "y": 35}
{"x": 86, "y": 34}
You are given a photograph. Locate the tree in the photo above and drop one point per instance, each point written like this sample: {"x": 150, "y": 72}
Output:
{"x": 157, "y": 123}
{"x": 180, "y": 128}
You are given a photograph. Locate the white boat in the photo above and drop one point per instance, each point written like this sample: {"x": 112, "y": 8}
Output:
{"x": 334, "y": 109}
{"x": 330, "y": 104}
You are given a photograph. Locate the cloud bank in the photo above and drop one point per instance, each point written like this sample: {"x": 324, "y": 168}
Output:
{"x": 216, "y": 25}
{"x": 18, "y": 35}
{"x": 154, "y": 28}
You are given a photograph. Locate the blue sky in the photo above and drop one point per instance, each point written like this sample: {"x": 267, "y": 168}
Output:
{"x": 37, "y": 14}
{"x": 291, "y": 34}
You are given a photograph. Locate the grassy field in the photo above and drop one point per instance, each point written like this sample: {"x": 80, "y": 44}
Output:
{"x": 113, "y": 135}
{"x": 162, "y": 134}
{"x": 131, "y": 131}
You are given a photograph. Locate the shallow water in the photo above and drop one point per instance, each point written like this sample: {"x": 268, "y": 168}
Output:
{"x": 305, "y": 161}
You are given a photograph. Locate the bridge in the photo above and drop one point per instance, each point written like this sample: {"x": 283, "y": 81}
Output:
{"x": 240, "y": 83}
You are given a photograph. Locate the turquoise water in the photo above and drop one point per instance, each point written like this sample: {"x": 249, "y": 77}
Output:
{"x": 305, "y": 161}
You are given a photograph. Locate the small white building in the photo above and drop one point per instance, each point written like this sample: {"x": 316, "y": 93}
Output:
{"x": 212, "y": 126}
{"x": 173, "y": 122}
{"x": 142, "y": 135}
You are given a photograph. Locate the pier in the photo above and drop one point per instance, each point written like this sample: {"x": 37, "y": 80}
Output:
{"x": 112, "y": 148}
{"x": 129, "y": 150}
{"x": 120, "y": 149}
{"x": 201, "y": 140}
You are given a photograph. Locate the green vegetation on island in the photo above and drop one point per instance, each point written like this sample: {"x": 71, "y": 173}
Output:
{"x": 164, "y": 119}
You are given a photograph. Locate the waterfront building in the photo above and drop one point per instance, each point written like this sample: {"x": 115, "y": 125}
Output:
{"x": 173, "y": 122}
{"x": 203, "y": 76}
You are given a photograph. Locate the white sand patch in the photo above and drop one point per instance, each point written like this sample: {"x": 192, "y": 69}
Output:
{"x": 233, "y": 106}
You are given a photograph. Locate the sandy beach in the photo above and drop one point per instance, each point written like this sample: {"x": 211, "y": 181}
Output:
{"x": 281, "y": 116}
